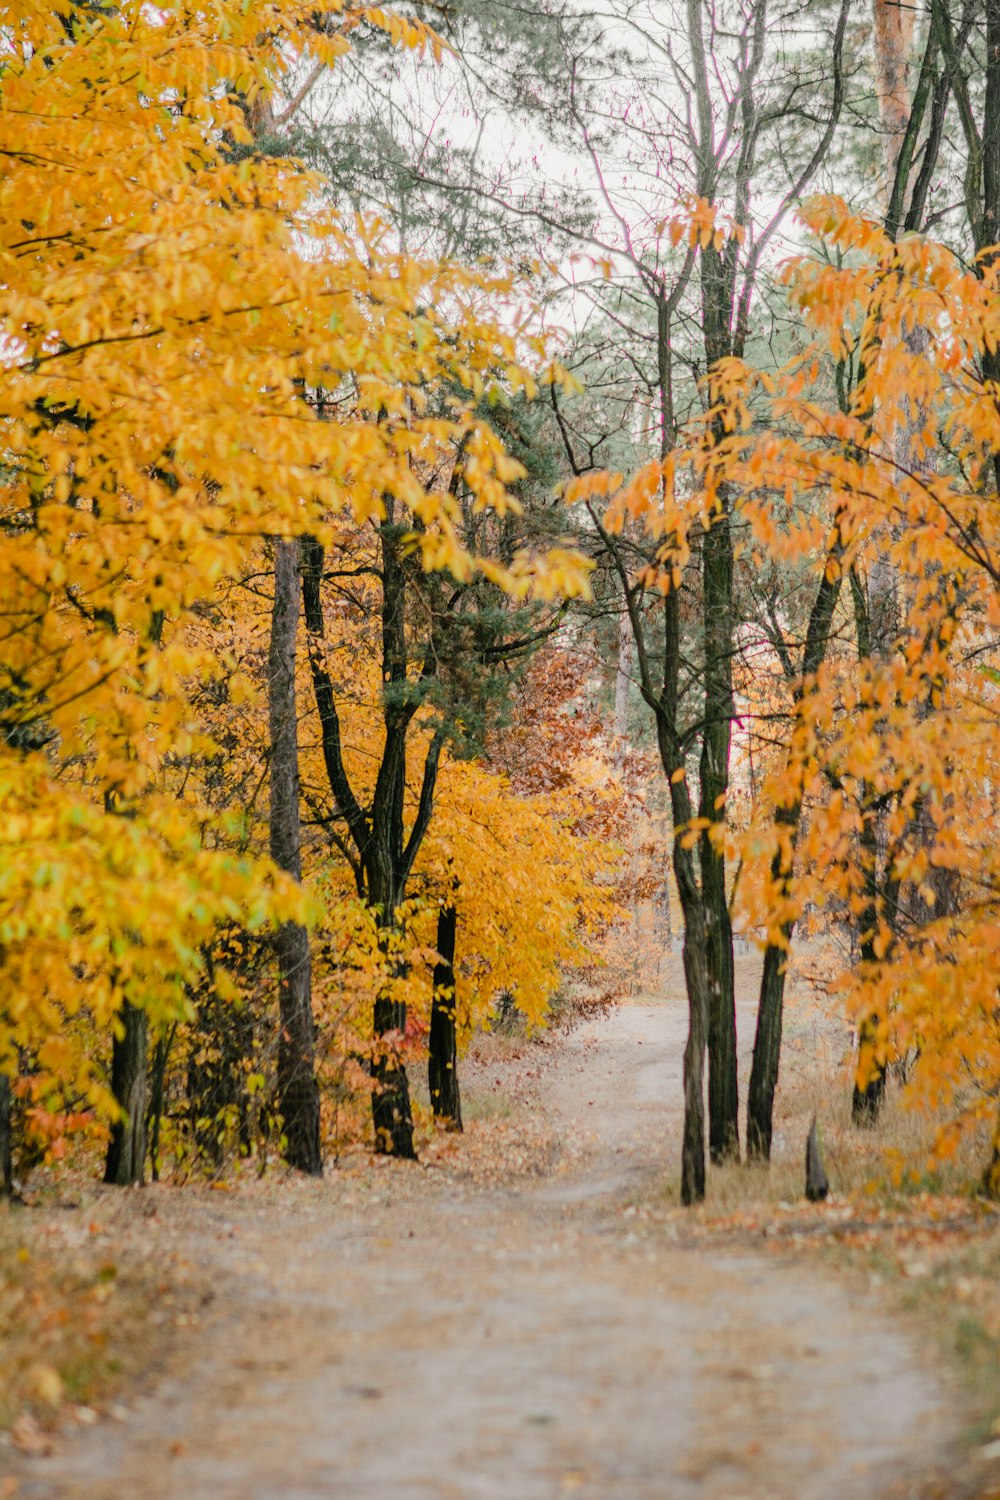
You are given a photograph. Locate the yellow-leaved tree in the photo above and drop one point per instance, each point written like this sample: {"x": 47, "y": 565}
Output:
{"x": 879, "y": 442}
{"x": 168, "y": 300}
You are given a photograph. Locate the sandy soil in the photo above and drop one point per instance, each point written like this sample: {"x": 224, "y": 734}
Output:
{"x": 410, "y": 1334}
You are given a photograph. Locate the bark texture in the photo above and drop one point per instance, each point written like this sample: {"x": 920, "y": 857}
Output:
{"x": 771, "y": 999}
{"x": 126, "y": 1158}
{"x": 623, "y": 679}
{"x": 817, "y": 1182}
{"x": 298, "y": 1090}
{"x": 893, "y": 36}
{"x": 442, "y": 1065}
{"x": 6, "y": 1156}
{"x": 716, "y": 747}
{"x": 991, "y": 1177}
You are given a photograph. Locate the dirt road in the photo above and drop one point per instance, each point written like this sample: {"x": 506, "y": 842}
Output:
{"x": 410, "y": 1336}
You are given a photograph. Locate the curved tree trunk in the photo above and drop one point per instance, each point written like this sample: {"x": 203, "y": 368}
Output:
{"x": 126, "y": 1158}
{"x": 298, "y": 1091}
{"x": 442, "y": 1064}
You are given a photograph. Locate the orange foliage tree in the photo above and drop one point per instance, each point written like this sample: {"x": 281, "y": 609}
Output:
{"x": 166, "y": 296}
{"x": 904, "y": 740}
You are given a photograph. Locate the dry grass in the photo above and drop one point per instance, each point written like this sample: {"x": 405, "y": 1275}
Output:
{"x": 816, "y": 1078}
{"x": 84, "y": 1312}
{"x": 914, "y": 1233}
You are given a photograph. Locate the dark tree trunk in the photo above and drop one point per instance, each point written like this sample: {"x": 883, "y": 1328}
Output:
{"x": 869, "y": 1084}
{"x": 6, "y": 1157}
{"x": 766, "y": 1054}
{"x": 696, "y": 978}
{"x": 868, "y": 1096}
{"x": 717, "y": 585}
{"x": 692, "y": 908}
{"x": 771, "y": 1001}
{"x": 298, "y": 1091}
{"x": 161, "y": 1053}
{"x": 991, "y": 1177}
{"x": 817, "y": 1182}
{"x": 392, "y": 1116}
{"x": 126, "y": 1158}
{"x": 442, "y": 1064}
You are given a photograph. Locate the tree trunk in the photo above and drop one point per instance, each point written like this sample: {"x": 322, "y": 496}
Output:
{"x": 766, "y": 1054}
{"x": 392, "y": 1116}
{"x": 817, "y": 1182}
{"x": 991, "y": 1177}
{"x": 442, "y": 1064}
{"x": 869, "y": 1084}
{"x": 623, "y": 681}
{"x": 893, "y": 34}
{"x": 770, "y": 1006}
{"x": 696, "y": 978}
{"x": 692, "y": 910}
{"x": 6, "y": 1159}
{"x": 723, "y": 1095}
{"x": 869, "y": 1080}
{"x": 161, "y": 1053}
{"x": 126, "y": 1158}
{"x": 298, "y": 1092}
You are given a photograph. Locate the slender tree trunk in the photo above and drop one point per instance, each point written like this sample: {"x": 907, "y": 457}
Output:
{"x": 298, "y": 1091}
{"x": 869, "y": 1084}
{"x": 161, "y": 1054}
{"x": 771, "y": 1000}
{"x": 387, "y": 860}
{"x": 126, "y": 1158}
{"x": 6, "y": 1158}
{"x": 442, "y": 1063}
{"x": 692, "y": 909}
{"x": 723, "y": 1096}
{"x": 893, "y": 35}
{"x": 696, "y": 980}
{"x": 766, "y": 1050}
{"x": 392, "y": 1116}
{"x": 623, "y": 681}
{"x": 991, "y": 1177}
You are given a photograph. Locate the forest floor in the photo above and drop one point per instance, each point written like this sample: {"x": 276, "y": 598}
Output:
{"x": 525, "y": 1315}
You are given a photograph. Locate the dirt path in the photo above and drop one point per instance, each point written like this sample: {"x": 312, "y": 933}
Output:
{"x": 406, "y": 1337}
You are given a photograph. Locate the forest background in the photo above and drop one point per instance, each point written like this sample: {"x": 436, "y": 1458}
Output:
{"x": 482, "y": 483}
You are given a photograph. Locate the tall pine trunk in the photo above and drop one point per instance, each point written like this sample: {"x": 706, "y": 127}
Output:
{"x": 298, "y": 1092}
{"x": 442, "y": 1065}
{"x": 126, "y": 1158}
